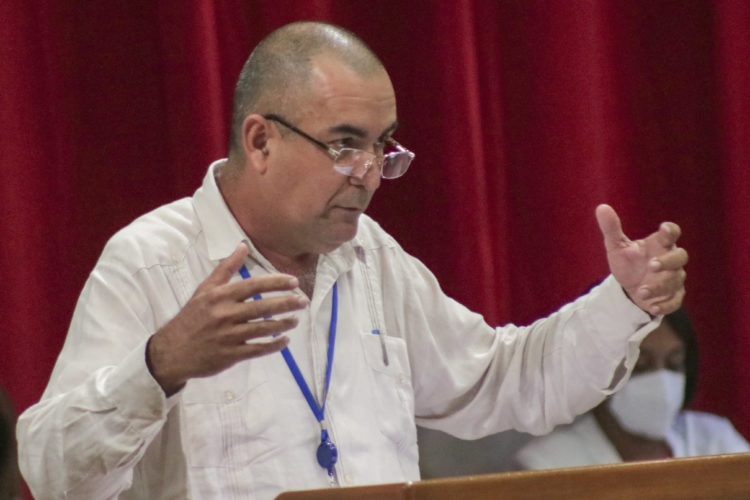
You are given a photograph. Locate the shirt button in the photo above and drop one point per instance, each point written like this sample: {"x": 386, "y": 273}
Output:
{"x": 175, "y": 259}
{"x": 229, "y": 395}
{"x": 348, "y": 479}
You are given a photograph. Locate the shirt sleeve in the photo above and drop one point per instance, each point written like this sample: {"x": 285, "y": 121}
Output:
{"x": 102, "y": 406}
{"x": 471, "y": 380}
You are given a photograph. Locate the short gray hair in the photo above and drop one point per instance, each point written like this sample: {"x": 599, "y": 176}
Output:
{"x": 278, "y": 70}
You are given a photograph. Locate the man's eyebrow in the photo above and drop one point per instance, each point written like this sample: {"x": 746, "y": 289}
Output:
{"x": 348, "y": 129}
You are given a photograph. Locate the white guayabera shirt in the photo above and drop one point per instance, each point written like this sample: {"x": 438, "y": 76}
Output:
{"x": 104, "y": 429}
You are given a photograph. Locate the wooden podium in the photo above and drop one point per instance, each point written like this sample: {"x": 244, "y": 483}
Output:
{"x": 702, "y": 478}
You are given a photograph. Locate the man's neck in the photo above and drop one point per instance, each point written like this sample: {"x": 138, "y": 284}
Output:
{"x": 302, "y": 266}
{"x": 284, "y": 258}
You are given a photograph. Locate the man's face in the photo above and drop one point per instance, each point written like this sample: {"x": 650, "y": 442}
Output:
{"x": 318, "y": 208}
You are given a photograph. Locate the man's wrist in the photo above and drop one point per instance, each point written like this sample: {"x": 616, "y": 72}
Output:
{"x": 155, "y": 362}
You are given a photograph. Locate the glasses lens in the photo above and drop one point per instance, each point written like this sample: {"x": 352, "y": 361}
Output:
{"x": 355, "y": 162}
{"x": 395, "y": 164}
{"x": 350, "y": 162}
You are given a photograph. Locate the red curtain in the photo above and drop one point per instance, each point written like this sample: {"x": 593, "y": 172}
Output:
{"x": 524, "y": 116}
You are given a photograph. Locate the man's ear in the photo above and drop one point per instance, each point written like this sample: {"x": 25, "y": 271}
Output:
{"x": 255, "y": 135}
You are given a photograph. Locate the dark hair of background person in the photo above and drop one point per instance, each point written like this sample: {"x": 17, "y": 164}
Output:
{"x": 683, "y": 327}
{"x": 9, "y": 478}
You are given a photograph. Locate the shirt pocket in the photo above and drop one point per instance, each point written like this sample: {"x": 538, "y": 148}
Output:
{"x": 224, "y": 413}
{"x": 392, "y": 389}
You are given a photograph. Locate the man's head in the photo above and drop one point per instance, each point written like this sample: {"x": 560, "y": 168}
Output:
{"x": 308, "y": 89}
{"x": 277, "y": 75}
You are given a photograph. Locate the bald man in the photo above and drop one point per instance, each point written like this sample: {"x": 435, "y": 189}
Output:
{"x": 266, "y": 335}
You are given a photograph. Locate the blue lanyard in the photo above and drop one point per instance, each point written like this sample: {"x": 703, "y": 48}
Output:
{"x": 327, "y": 453}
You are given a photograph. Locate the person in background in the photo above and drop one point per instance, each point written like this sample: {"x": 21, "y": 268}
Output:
{"x": 646, "y": 419}
{"x": 9, "y": 483}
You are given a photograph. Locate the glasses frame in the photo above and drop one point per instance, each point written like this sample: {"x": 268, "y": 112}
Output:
{"x": 335, "y": 153}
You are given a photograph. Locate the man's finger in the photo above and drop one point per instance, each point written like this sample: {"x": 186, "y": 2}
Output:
{"x": 610, "y": 226}
{"x": 256, "y": 349}
{"x": 268, "y": 306}
{"x": 668, "y": 234}
{"x": 664, "y": 284}
{"x": 667, "y": 304}
{"x": 246, "y": 332}
{"x": 674, "y": 259}
{"x": 260, "y": 284}
{"x": 663, "y": 239}
{"x": 226, "y": 268}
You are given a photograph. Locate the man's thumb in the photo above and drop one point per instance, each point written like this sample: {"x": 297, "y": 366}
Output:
{"x": 610, "y": 226}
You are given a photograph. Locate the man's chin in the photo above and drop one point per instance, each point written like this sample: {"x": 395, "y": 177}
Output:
{"x": 340, "y": 234}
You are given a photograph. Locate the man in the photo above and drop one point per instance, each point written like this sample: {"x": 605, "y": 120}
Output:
{"x": 169, "y": 384}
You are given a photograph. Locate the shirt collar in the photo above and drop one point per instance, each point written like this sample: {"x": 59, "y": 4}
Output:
{"x": 223, "y": 232}
{"x": 221, "y": 229}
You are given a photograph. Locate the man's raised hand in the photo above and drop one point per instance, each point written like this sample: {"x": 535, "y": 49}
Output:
{"x": 213, "y": 330}
{"x": 650, "y": 270}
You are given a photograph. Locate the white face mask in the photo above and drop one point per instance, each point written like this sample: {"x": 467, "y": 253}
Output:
{"x": 648, "y": 403}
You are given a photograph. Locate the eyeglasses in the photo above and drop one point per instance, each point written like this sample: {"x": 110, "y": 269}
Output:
{"x": 356, "y": 162}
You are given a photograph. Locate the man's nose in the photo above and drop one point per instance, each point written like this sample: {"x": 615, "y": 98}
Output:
{"x": 370, "y": 178}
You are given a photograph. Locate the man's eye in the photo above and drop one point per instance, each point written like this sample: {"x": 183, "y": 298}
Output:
{"x": 344, "y": 142}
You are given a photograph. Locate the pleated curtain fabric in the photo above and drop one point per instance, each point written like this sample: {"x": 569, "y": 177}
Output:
{"x": 524, "y": 115}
